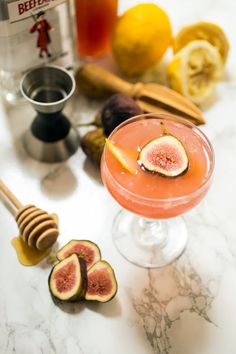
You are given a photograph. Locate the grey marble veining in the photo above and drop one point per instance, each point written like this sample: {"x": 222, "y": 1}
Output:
{"x": 185, "y": 308}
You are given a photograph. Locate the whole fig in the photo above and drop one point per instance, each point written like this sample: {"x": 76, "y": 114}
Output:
{"x": 116, "y": 110}
{"x": 92, "y": 143}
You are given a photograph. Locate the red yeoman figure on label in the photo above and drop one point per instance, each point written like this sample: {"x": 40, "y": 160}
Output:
{"x": 42, "y": 27}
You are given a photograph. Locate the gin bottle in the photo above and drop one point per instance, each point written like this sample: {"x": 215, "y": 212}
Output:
{"x": 32, "y": 33}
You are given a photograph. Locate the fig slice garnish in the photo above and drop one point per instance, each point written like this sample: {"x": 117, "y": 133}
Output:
{"x": 85, "y": 249}
{"x": 68, "y": 279}
{"x": 165, "y": 156}
{"x": 126, "y": 158}
{"x": 102, "y": 284}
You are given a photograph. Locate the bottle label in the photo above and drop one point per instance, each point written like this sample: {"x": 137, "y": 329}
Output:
{"x": 19, "y": 10}
{"x": 40, "y": 36}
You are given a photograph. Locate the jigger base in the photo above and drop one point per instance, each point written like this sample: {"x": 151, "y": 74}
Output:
{"x": 57, "y": 151}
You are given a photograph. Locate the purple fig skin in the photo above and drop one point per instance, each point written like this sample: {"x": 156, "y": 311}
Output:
{"x": 83, "y": 267}
{"x": 116, "y": 110}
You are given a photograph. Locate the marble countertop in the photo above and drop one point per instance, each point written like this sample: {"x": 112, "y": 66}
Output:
{"x": 187, "y": 307}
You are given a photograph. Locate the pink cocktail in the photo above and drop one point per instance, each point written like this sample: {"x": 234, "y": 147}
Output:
{"x": 151, "y": 241}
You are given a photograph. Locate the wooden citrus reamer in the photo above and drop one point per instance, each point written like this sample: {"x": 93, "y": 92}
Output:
{"x": 95, "y": 81}
{"x": 38, "y": 229}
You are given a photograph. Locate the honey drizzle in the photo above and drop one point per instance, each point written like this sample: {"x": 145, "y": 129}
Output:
{"x": 27, "y": 255}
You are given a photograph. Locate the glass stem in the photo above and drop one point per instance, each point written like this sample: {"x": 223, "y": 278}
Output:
{"x": 152, "y": 232}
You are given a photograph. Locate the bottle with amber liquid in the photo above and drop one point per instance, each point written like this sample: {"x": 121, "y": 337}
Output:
{"x": 95, "y": 20}
{"x": 32, "y": 33}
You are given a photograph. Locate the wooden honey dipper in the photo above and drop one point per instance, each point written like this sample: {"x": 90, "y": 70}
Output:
{"x": 37, "y": 228}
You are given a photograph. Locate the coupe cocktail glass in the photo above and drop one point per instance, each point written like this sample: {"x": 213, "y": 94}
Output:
{"x": 149, "y": 231}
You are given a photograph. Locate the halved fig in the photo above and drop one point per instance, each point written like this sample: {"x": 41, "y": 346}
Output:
{"x": 68, "y": 279}
{"x": 102, "y": 284}
{"x": 85, "y": 249}
{"x": 165, "y": 155}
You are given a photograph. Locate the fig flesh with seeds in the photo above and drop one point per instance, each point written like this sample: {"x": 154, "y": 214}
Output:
{"x": 68, "y": 279}
{"x": 165, "y": 155}
{"x": 102, "y": 284}
{"x": 85, "y": 249}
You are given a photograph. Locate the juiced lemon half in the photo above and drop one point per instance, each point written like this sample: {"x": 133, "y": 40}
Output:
{"x": 203, "y": 30}
{"x": 194, "y": 70}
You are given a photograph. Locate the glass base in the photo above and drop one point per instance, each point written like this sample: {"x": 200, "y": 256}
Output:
{"x": 149, "y": 243}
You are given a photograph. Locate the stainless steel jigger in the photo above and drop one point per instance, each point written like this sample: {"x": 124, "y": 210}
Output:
{"x": 51, "y": 137}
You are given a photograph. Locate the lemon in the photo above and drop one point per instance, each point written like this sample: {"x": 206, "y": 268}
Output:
{"x": 140, "y": 38}
{"x": 194, "y": 70}
{"x": 123, "y": 156}
{"x": 206, "y": 31}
